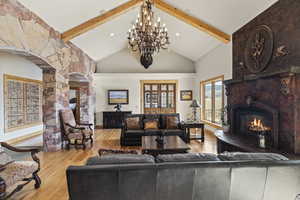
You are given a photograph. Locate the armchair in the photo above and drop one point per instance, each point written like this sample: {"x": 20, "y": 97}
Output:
{"x": 18, "y": 171}
{"x": 75, "y": 133}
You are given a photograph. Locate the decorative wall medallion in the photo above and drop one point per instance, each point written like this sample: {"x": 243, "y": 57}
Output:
{"x": 259, "y": 49}
{"x": 281, "y": 51}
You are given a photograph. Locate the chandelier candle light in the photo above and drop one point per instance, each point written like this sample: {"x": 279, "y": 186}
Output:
{"x": 147, "y": 35}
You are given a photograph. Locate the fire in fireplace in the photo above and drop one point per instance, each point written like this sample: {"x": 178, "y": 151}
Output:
{"x": 258, "y": 126}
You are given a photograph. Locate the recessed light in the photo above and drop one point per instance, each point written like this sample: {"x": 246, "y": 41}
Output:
{"x": 177, "y": 34}
{"x": 111, "y": 34}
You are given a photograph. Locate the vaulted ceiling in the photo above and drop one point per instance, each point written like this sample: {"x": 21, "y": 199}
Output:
{"x": 110, "y": 37}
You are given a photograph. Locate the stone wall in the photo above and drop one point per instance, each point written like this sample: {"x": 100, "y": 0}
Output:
{"x": 266, "y": 66}
{"x": 22, "y": 32}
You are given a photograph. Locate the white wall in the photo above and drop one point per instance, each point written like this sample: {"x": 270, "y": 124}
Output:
{"x": 215, "y": 63}
{"x": 165, "y": 62}
{"x": 131, "y": 81}
{"x": 15, "y": 65}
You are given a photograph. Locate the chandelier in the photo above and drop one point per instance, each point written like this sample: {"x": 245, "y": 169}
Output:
{"x": 147, "y": 35}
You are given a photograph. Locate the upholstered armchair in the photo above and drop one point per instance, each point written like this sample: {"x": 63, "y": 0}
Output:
{"x": 15, "y": 174}
{"x": 75, "y": 133}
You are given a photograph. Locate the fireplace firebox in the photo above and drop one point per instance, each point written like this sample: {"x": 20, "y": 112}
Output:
{"x": 255, "y": 118}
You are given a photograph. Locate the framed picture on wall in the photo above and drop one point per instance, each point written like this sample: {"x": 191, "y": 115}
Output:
{"x": 118, "y": 97}
{"x": 186, "y": 95}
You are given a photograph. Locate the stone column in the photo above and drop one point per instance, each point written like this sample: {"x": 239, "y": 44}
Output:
{"x": 52, "y": 134}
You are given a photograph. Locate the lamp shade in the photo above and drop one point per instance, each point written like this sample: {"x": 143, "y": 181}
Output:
{"x": 195, "y": 104}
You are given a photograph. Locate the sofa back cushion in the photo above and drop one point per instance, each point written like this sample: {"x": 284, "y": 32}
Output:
{"x": 170, "y": 121}
{"x": 151, "y": 124}
{"x": 134, "y": 122}
{"x": 120, "y": 159}
{"x": 240, "y": 156}
{"x": 187, "y": 157}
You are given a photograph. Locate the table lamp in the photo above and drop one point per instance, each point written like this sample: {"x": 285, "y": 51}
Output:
{"x": 195, "y": 104}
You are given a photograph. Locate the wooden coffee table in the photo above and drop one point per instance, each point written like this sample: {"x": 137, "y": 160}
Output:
{"x": 172, "y": 145}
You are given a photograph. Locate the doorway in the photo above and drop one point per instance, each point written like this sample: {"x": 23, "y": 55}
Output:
{"x": 74, "y": 102}
{"x": 159, "y": 97}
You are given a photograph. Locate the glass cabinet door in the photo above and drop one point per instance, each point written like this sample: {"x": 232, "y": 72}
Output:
{"x": 159, "y": 98}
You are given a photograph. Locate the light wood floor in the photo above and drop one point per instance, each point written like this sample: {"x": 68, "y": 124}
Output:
{"x": 54, "y": 165}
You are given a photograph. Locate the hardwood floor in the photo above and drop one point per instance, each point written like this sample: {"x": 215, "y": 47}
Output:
{"x": 54, "y": 164}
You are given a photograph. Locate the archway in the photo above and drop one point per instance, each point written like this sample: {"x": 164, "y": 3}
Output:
{"x": 50, "y": 108}
{"x": 79, "y": 94}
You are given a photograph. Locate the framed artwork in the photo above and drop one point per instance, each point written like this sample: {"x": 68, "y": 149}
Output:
{"x": 23, "y": 102}
{"x": 186, "y": 95}
{"x": 118, "y": 97}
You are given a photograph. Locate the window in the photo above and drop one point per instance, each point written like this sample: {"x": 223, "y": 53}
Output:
{"x": 212, "y": 97}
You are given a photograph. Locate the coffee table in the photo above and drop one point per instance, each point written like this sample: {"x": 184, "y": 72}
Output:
{"x": 172, "y": 145}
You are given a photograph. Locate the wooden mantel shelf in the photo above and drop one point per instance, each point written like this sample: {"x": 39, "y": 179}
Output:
{"x": 252, "y": 77}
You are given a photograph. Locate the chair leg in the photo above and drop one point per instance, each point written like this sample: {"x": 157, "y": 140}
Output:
{"x": 37, "y": 180}
{"x": 83, "y": 144}
{"x": 76, "y": 143}
{"x": 68, "y": 146}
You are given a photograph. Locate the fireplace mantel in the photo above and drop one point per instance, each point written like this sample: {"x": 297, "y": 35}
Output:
{"x": 284, "y": 72}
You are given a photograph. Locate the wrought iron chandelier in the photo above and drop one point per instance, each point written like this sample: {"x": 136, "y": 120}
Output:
{"x": 147, "y": 35}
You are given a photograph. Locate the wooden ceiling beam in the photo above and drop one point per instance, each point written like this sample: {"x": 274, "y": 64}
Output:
{"x": 97, "y": 21}
{"x": 201, "y": 25}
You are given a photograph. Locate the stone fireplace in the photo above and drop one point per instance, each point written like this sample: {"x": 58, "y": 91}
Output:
{"x": 265, "y": 84}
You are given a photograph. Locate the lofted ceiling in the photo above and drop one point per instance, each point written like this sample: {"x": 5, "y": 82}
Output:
{"x": 228, "y": 16}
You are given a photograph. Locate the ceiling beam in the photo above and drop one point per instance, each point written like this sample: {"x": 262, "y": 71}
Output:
{"x": 96, "y": 21}
{"x": 218, "y": 34}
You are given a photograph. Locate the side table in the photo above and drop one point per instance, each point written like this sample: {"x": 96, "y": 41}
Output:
{"x": 189, "y": 125}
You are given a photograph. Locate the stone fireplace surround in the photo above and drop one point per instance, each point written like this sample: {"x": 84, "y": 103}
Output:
{"x": 277, "y": 94}
{"x": 266, "y": 66}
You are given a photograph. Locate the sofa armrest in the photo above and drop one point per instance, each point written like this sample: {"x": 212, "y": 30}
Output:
{"x": 180, "y": 126}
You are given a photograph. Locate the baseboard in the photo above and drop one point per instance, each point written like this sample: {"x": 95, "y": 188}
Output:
{"x": 99, "y": 127}
{"x": 23, "y": 138}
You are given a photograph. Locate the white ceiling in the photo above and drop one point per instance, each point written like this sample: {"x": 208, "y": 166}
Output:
{"x": 227, "y": 16}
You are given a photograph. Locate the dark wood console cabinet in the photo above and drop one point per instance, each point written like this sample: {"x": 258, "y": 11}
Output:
{"x": 114, "y": 119}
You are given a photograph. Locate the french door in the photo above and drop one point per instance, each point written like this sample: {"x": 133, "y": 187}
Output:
{"x": 159, "y": 97}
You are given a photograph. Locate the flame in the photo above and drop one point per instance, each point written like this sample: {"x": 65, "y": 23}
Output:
{"x": 257, "y": 125}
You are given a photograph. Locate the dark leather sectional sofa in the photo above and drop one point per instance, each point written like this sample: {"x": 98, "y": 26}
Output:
{"x": 133, "y": 137}
{"x": 184, "y": 178}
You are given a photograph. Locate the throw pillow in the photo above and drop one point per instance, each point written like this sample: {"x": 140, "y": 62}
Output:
{"x": 133, "y": 123}
{"x": 233, "y": 156}
{"x": 172, "y": 122}
{"x": 151, "y": 124}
